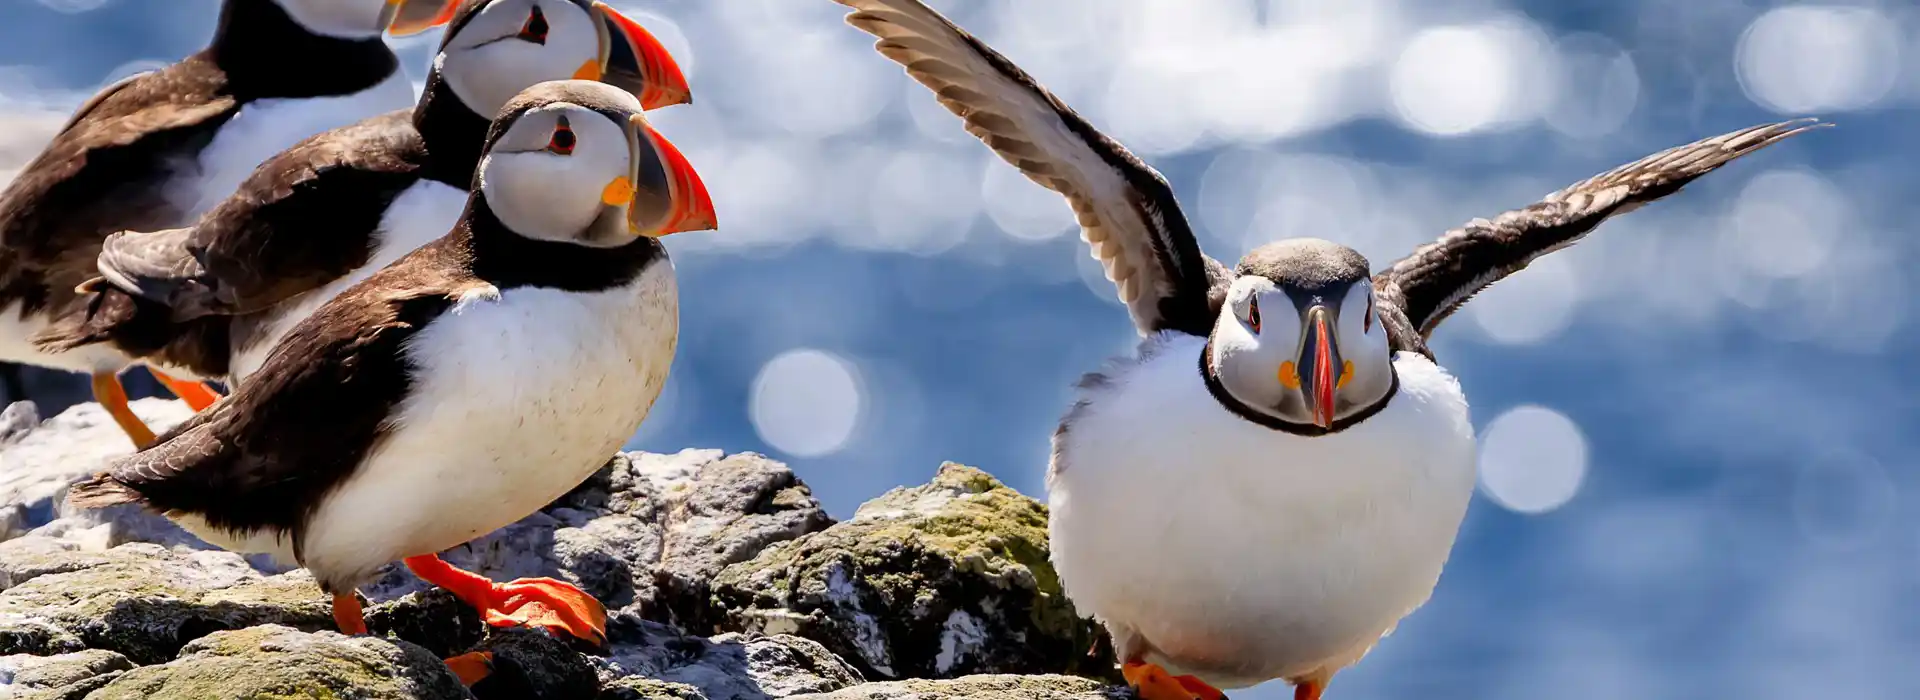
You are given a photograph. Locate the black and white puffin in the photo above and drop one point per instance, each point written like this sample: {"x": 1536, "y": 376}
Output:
{"x": 157, "y": 148}
{"x": 463, "y": 387}
{"x": 1276, "y": 477}
{"x": 211, "y": 300}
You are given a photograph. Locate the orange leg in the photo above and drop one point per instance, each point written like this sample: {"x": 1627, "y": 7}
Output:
{"x": 346, "y": 614}
{"x": 535, "y": 602}
{"x": 1151, "y": 682}
{"x": 197, "y": 395}
{"x": 113, "y": 397}
{"x": 1309, "y": 690}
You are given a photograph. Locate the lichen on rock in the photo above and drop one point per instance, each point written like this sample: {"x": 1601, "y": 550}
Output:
{"x": 272, "y": 661}
{"x": 941, "y": 580}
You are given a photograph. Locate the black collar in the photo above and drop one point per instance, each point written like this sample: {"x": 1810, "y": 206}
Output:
{"x": 266, "y": 54}
{"x": 1267, "y": 420}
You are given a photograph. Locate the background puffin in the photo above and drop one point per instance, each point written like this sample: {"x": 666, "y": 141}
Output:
{"x": 157, "y": 148}
{"x": 212, "y": 299}
{"x": 365, "y": 437}
{"x": 1277, "y": 476}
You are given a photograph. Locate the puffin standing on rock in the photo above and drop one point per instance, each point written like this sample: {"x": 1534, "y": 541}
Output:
{"x": 462, "y": 388}
{"x": 157, "y": 148}
{"x": 1278, "y": 474}
{"x": 212, "y": 299}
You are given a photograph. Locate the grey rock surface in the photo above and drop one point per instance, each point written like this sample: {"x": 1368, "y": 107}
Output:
{"x": 985, "y": 687}
{"x": 68, "y": 676}
{"x": 272, "y": 661}
{"x": 941, "y": 580}
{"x": 724, "y": 580}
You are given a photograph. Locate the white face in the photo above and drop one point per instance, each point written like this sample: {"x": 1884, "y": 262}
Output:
{"x": 346, "y": 19}
{"x": 1267, "y": 351}
{"x": 553, "y": 176}
{"x": 510, "y": 45}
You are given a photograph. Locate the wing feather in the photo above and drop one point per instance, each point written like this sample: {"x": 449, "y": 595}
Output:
{"x": 1437, "y": 278}
{"x": 1127, "y": 213}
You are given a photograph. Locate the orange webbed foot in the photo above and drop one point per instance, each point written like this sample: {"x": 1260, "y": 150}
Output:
{"x": 197, "y": 394}
{"x": 534, "y": 602}
{"x": 471, "y": 667}
{"x": 1151, "y": 682}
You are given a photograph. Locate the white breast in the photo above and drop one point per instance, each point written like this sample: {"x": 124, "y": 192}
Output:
{"x": 1244, "y": 554}
{"x": 423, "y": 212}
{"x": 515, "y": 401}
{"x": 264, "y": 128}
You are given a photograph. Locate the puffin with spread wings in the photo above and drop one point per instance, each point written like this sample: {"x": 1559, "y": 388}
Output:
{"x": 1278, "y": 474}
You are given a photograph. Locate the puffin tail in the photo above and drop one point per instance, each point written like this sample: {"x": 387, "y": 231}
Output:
{"x": 99, "y": 491}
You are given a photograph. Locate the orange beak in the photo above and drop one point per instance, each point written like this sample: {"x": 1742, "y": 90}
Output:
{"x": 689, "y": 207}
{"x": 633, "y": 60}
{"x": 1321, "y": 358}
{"x": 404, "y": 17}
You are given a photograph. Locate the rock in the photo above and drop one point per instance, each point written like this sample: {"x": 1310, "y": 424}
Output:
{"x": 61, "y": 676}
{"x": 529, "y": 665}
{"x": 41, "y": 461}
{"x": 648, "y": 532}
{"x": 936, "y": 581}
{"x": 18, "y": 418}
{"x": 145, "y": 601}
{"x": 724, "y": 667}
{"x": 272, "y": 661}
{"x": 998, "y": 687}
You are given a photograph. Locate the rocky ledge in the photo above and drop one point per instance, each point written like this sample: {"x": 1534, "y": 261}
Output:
{"x": 723, "y": 578}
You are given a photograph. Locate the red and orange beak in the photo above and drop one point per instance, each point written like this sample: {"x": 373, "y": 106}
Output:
{"x": 683, "y": 206}
{"x": 403, "y": 17}
{"x": 633, "y": 60}
{"x": 1324, "y": 370}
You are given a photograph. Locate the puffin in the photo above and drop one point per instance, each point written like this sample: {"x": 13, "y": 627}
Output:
{"x": 155, "y": 149}
{"x": 213, "y": 299}
{"x": 1276, "y": 476}
{"x": 367, "y": 437}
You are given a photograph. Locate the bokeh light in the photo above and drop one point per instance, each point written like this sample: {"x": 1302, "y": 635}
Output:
{"x": 806, "y": 402}
{"x": 1532, "y": 459}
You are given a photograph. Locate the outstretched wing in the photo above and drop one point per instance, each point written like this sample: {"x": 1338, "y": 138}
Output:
{"x": 1437, "y": 278}
{"x": 1127, "y": 213}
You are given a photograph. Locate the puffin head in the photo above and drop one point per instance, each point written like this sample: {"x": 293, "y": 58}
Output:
{"x": 496, "y": 48}
{"x": 575, "y": 161}
{"x": 360, "y": 19}
{"x": 1297, "y": 341}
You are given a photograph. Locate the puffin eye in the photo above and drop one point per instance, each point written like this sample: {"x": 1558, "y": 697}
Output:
{"x": 1253, "y": 313}
{"x": 563, "y": 140}
{"x": 535, "y": 30}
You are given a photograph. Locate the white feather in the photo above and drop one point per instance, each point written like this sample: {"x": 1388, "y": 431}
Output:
{"x": 422, "y": 213}
{"x": 264, "y": 128}
{"x": 1243, "y": 554}
{"x": 515, "y": 401}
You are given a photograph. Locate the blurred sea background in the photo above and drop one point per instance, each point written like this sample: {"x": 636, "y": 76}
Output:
{"x": 1700, "y": 474}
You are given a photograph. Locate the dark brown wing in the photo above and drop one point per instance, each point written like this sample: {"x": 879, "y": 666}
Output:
{"x": 1127, "y": 212}
{"x": 1427, "y": 286}
{"x": 265, "y": 455}
{"x": 302, "y": 219}
{"x": 93, "y": 178}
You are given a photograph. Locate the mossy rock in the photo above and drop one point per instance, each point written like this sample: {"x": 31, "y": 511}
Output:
{"x": 936, "y": 581}
{"x": 989, "y": 687}
{"x": 145, "y": 602}
{"x": 273, "y": 662}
